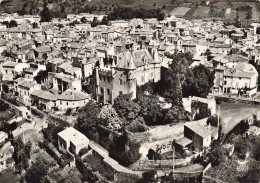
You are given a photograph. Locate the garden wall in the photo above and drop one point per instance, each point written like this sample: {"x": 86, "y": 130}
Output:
{"x": 144, "y": 165}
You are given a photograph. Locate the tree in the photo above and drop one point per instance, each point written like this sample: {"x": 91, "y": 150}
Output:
{"x": 216, "y": 156}
{"x": 87, "y": 118}
{"x": 104, "y": 21}
{"x": 45, "y": 14}
{"x": 68, "y": 111}
{"x": 126, "y": 108}
{"x": 241, "y": 148}
{"x": 51, "y": 132}
{"x": 41, "y": 75}
{"x": 37, "y": 172}
{"x": 213, "y": 121}
{"x": 12, "y": 23}
{"x": 62, "y": 9}
{"x": 21, "y": 154}
{"x": 200, "y": 109}
{"x": 150, "y": 109}
{"x": 95, "y": 22}
{"x": 252, "y": 176}
{"x": 34, "y": 25}
{"x": 172, "y": 85}
{"x": 83, "y": 20}
{"x": 198, "y": 82}
{"x": 152, "y": 155}
{"x": 174, "y": 115}
{"x": 5, "y": 88}
{"x": 3, "y": 106}
{"x": 148, "y": 177}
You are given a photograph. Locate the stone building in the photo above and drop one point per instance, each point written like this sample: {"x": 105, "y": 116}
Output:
{"x": 124, "y": 73}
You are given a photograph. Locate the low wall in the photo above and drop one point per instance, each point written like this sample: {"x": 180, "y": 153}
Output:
{"x": 138, "y": 137}
{"x": 144, "y": 165}
{"x": 220, "y": 99}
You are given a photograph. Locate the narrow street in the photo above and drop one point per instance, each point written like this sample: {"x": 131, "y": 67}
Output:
{"x": 39, "y": 122}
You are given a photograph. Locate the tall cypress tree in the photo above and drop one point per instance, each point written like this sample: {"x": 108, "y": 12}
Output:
{"x": 45, "y": 14}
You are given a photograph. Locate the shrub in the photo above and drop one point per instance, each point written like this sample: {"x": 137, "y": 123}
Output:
{"x": 83, "y": 151}
{"x": 200, "y": 109}
{"x": 213, "y": 121}
{"x": 3, "y": 106}
{"x": 68, "y": 111}
{"x": 152, "y": 155}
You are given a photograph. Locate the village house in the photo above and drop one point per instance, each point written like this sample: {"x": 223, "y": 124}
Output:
{"x": 211, "y": 103}
{"x": 24, "y": 89}
{"x": 44, "y": 98}
{"x": 33, "y": 70}
{"x": 119, "y": 23}
{"x": 241, "y": 79}
{"x": 197, "y": 136}
{"x": 72, "y": 141}
{"x": 52, "y": 65}
{"x": 11, "y": 70}
{"x": 23, "y": 112}
{"x": 62, "y": 82}
{"x": 71, "y": 99}
{"x": 42, "y": 53}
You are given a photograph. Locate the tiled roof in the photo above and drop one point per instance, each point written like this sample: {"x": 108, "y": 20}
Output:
{"x": 27, "y": 84}
{"x": 30, "y": 69}
{"x": 10, "y": 64}
{"x": 43, "y": 49}
{"x": 73, "y": 95}
{"x": 44, "y": 95}
{"x": 198, "y": 129}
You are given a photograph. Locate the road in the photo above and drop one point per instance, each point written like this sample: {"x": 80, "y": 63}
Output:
{"x": 39, "y": 122}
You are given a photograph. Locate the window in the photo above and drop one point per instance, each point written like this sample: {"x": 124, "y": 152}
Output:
{"x": 120, "y": 93}
{"x": 102, "y": 90}
{"x": 225, "y": 82}
{"x": 67, "y": 103}
{"x": 108, "y": 91}
{"x": 60, "y": 102}
{"x": 239, "y": 78}
{"x": 120, "y": 81}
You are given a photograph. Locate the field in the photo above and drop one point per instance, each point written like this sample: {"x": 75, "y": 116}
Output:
{"x": 201, "y": 12}
{"x": 180, "y": 11}
{"x": 231, "y": 114}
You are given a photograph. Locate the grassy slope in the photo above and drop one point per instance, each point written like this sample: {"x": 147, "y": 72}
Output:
{"x": 231, "y": 114}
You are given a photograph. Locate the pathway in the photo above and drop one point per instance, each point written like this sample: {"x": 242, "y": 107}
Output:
{"x": 114, "y": 164}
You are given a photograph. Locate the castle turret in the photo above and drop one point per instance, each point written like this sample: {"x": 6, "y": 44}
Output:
{"x": 113, "y": 68}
